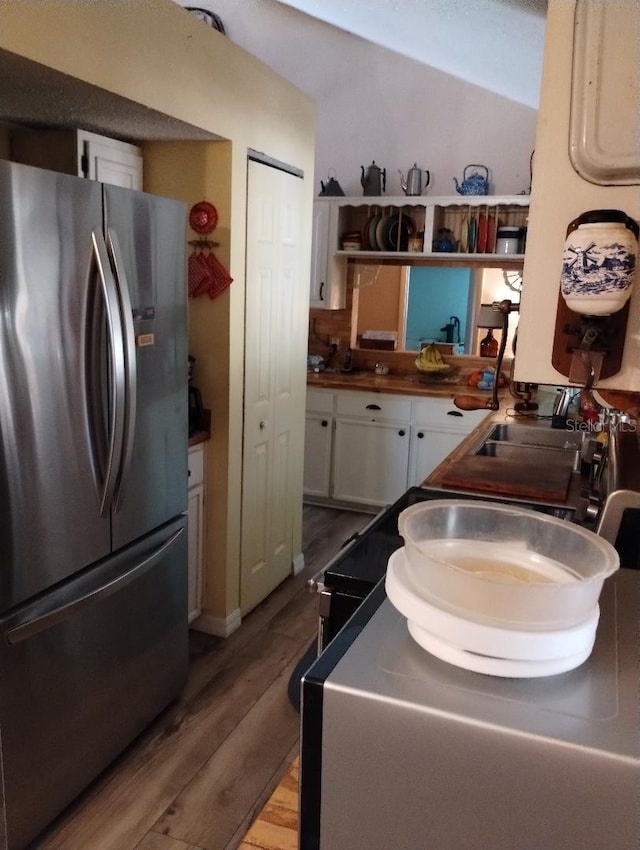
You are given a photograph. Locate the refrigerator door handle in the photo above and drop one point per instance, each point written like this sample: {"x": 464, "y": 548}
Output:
{"x": 129, "y": 340}
{"x": 116, "y": 371}
{"x": 46, "y": 619}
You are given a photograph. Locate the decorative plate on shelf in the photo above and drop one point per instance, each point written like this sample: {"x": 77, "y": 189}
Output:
{"x": 380, "y": 241}
{"x": 397, "y": 232}
{"x": 464, "y": 235}
{"x": 491, "y": 235}
{"x": 373, "y": 225}
{"x": 473, "y": 233}
{"x": 203, "y": 217}
{"x": 481, "y": 246}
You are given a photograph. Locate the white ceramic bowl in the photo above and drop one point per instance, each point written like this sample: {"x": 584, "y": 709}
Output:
{"x": 504, "y": 564}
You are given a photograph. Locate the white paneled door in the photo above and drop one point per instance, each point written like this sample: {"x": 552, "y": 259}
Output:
{"x": 275, "y": 306}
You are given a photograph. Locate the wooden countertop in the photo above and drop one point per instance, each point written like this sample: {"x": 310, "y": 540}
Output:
{"x": 199, "y": 437}
{"x": 470, "y": 441}
{"x": 473, "y": 440}
{"x": 412, "y": 384}
{"x": 203, "y": 433}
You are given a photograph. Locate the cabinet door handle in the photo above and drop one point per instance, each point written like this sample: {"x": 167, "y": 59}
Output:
{"x": 262, "y": 424}
{"x": 402, "y": 432}
{"x": 454, "y": 413}
{"x": 420, "y": 435}
{"x": 373, "y": 407}
{"x": 324, "y": 423}
{"x": 321, "y": 291}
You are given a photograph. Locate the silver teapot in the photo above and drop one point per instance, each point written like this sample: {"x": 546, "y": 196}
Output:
{"x": 413, "y": 184}
{"x": 374, "y": 181}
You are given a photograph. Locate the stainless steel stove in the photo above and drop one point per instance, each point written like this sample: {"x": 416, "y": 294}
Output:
{"x": 403, "y": 751}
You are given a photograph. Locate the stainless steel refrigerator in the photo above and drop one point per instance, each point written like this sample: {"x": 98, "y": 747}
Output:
{"x": 93, "y": 481}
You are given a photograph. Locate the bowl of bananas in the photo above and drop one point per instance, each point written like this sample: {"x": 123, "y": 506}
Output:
{"x": 432, "y": 367}
{"x": 430, "y": 360}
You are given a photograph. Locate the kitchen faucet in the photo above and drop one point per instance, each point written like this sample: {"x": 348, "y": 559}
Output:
{"x": 561, "y": 407}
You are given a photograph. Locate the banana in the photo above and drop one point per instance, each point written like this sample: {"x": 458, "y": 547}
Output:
{"x": 430, "y": 359}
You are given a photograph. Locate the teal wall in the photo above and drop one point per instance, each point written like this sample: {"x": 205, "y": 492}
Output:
{"x": 436, "y": 294}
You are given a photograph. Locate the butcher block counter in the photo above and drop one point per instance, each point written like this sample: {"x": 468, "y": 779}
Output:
{"x": 498, "y": 417}
{"x": 521, "y": 479}
{"x": 393, "y": 384}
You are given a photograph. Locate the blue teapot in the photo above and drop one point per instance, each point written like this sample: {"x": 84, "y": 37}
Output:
{"x": 476, "y": 184}
{"x": 444, "y": 241}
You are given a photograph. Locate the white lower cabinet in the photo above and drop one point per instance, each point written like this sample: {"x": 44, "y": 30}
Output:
{"x": 195, "y": 529}
{"x": 370, "y": 461}
{"x": 318, "y": 443}
{"x": 318, "y": 440}
{"x": 429, "y": 447}
{"x": 438, "y": 428}
{"x": 369, "y": 448}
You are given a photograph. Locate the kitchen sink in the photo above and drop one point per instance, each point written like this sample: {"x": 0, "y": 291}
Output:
{"x": 545, "y": 456}
{"x": 549, "y": 438}
{"x": 543, "y": 446}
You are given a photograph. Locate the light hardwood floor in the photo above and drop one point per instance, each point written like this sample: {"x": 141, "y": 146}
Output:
{"x": 200, "y": 774}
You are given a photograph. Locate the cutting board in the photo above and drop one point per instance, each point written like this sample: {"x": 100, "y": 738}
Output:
{"x": 503, "y": 476}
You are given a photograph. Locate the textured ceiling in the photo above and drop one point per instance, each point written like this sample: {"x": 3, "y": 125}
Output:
{"x": 496, "y": 44}
{"x": 35, "y": 95}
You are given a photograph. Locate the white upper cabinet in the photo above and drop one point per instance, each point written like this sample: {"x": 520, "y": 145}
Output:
{"x": 110, "y": 161}
{"x": 327, "y": 292}
{"x": 81, "y": 153}
{"x": 587, "y": 157}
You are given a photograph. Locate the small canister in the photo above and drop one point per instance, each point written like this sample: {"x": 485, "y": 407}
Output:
{"x": 598, "y": 262}
{"x": 508, "y": 240}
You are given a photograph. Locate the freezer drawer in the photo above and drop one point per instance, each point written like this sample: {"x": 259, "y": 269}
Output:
{"x": 84, "y": 669}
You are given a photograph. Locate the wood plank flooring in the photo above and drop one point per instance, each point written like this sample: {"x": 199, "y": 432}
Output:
{"x": 276, "y": 827}
{"x": 200, "y": 774}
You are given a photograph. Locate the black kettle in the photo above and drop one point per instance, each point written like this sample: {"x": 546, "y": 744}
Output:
{"x": 452, "y": 330}
{"x": 331, "y": 187}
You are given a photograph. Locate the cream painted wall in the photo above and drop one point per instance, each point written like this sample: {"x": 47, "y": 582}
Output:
{"x": 152, "y": 52}
{"x": 205, "y": 172}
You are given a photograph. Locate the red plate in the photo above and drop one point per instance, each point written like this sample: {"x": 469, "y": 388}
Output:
{"x": 203, "y": 217}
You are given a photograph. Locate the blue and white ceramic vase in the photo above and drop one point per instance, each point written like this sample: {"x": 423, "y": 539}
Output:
{"x": 598, "y": 262}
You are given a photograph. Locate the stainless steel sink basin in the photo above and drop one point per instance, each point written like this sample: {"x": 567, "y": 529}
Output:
{"x": 550, "y": 438}
{"x": 543, "y": 446}
{"x": 544, "y": 456}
